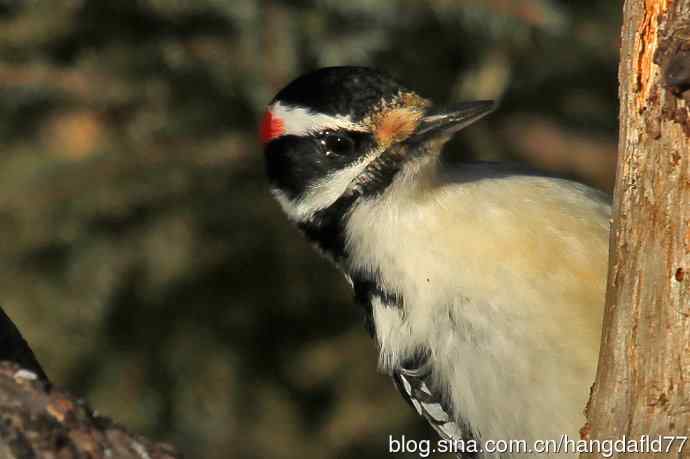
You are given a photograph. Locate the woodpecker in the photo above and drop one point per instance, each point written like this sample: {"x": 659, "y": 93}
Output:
{"x": 482, "y": 282}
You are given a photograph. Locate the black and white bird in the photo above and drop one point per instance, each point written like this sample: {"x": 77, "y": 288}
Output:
{"x": 483, "y": 283}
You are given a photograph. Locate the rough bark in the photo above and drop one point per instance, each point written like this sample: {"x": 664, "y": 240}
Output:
{"x": 643, "y": 380}
{"x": 40, "y": 421}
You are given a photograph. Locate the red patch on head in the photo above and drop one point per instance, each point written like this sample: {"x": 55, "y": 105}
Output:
{"x": 271, "y": 127}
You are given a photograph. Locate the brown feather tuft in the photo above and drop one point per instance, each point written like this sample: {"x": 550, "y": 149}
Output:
{"x": 396, "y": 124}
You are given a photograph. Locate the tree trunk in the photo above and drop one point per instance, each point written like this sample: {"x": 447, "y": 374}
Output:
{"x": 643, "y": 380}
{"x": 38, "y": 420}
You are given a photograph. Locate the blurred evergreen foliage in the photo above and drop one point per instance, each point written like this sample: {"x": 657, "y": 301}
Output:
{"x": 140, "y": 251}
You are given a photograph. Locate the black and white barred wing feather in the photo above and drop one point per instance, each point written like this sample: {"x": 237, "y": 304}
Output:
{"x": 415, "y": 384}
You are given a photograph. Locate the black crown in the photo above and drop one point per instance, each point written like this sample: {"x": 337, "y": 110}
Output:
{"x": 341, "y": 91}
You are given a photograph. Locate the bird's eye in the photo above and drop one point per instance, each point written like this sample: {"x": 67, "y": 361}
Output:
{"x": 338, "y": 144}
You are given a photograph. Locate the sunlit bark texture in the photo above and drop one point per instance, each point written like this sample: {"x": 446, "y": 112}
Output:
{"x": 39, "y": 421}
{"x": 643, "y": 379}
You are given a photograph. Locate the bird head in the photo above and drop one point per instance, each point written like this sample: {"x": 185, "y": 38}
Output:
{"x": 346, "y": 132}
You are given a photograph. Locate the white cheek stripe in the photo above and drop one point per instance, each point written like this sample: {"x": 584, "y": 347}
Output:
{"x": 324, "y": 192}
{"x": 321, "y": 194}
{"x": 302, "y": 121}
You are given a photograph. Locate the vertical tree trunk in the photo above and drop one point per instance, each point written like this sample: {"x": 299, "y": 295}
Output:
{"x": 643, "y": 380}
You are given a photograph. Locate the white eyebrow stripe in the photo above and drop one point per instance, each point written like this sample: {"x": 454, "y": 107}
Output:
{"x": 302, "y": 121}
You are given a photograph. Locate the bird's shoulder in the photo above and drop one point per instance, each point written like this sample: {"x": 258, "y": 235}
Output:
{"x": 520, "y": 180}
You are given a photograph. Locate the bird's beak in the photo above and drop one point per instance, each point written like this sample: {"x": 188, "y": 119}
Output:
{"x": 442, "y": 125}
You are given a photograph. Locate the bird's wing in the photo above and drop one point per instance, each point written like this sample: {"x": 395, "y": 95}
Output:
{"x": 413, "y": 380}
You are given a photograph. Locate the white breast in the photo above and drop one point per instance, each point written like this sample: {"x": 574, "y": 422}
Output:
{"x": 503, "y": 280}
